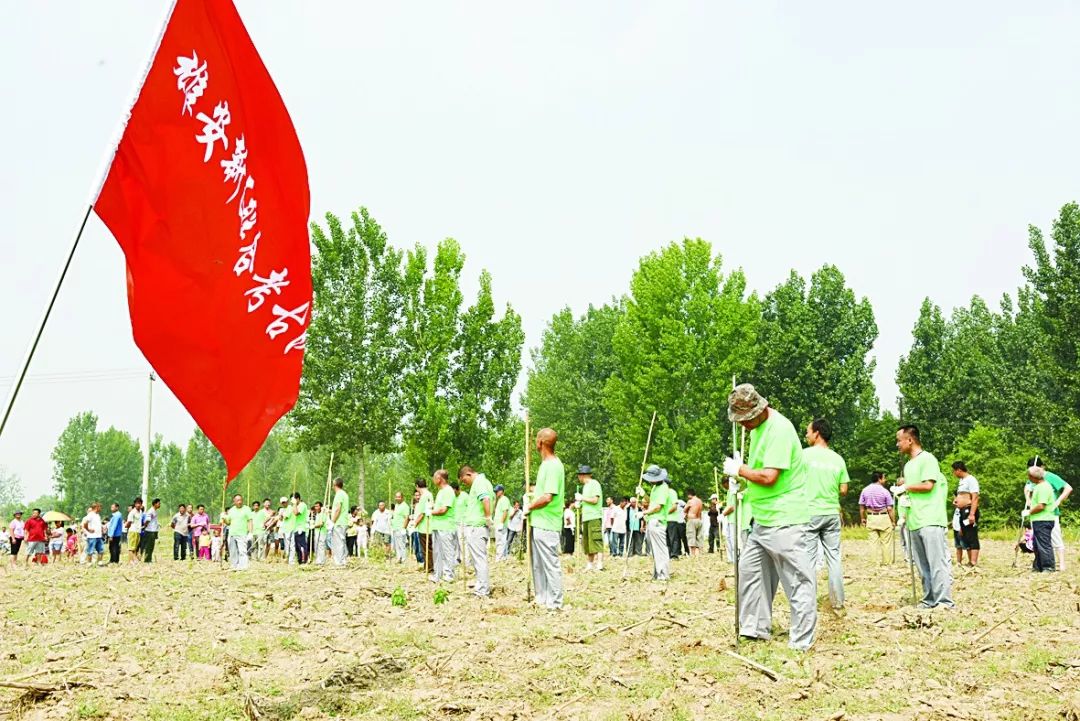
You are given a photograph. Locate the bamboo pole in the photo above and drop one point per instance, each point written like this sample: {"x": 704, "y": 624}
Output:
{"x": 738, "y": 528}
{"x": 528, "y": 524}
{"x": 641, "y": 511}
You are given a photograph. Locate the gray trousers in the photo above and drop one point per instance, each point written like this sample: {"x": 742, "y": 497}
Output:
{"x": 476, "y": 550}
{"x": 290, "y": 547}
{"x": 320, "y": 547}
{"x": 399, "y": 541}
{"x": 657, "y": 537}
{"x": 825, "y": 537}
{"x": 502, "y": 548}
{"x": 444, "y": 546}
{"x": 260, "y": 545}
{"x": 931, "y": 554}
{"x": 337, "y": 545}
{"x": 546, "y": 569}
{"x": 238, "y": 552}
{"x": 771, "y": 556}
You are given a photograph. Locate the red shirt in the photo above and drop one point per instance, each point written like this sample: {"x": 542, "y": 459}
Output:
{"x": 36, "y": 529}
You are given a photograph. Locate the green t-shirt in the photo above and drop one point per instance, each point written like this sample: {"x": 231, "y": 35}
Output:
{"x": 551, "y": 478}
{"x": 1058, "y": 484}
{"x": 1043, "y": 493}
{"x": 444, "y": 498}
{"x": 400, "y": 518}
{"x": 926, "y": 509}
{"x": 745, "y": 514}
{"x": 775, "y": 444}
{"x": 422, "y": 522}
{"x": 660, "y": 495}
{"x": 341, "y": 500}
{"x": 321, "y": 522}
{"x": 824, "y": 471}
{"x": 474, "y": 504}
{"x": 592, "y": 511}
{"x": 258, "y": 519}
{"x": 300, "y": 520}
{"x": 501, "y": 506}
{"x": 238, "y": 520}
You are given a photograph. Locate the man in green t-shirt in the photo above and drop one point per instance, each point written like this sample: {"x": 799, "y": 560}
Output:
{"x": 318, "y": 535}
{"x": 422, "y": 522}
{"x": 1041, "y": 514}
{"x": 298, "y": 511}
{"x": 442, "y": 516}
{"x": 825, "y": 478}
{"x": 479, "y": 503}
{"x": 501, "y": 518}
{"x": 777, "y": 548}
{"x": 656, "y": 520}
{"x": 258, "y": 533}
{"x": 1062, "y": 491}
{"x": 544, "y": 511}
{"x": 926, "y": 520}
{"x": 238, "y": 519}
{"x": 398, "y": 521}
{"x": 592, "y": 536}
{"x": 339, "y": 523}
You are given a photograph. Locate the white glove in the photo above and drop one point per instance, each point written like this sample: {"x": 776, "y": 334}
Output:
{"x": 1025, "y": 513}
{"x": 577, "y": 497}
{"x": 640, "y": 491}
{"x": 427, "y": 511}
{"x": 526, "y": 501}
{"x": 739, "y": 496}
{"x": 732, "y": 465}
{"x": 901, "y": 522}
{"x": 967, "y": 521}
{"x": 897, "y": 490}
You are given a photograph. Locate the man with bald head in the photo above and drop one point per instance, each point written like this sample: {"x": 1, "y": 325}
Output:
{"x": 544, "y": 510}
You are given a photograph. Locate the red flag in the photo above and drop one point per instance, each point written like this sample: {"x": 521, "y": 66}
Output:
{"x": 208, "y": 197}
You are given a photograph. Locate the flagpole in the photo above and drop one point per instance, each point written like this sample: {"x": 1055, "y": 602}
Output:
{"x": 41, "y": 326}
{"x": 102, "y": 174}
{"x": 149, "y": 426}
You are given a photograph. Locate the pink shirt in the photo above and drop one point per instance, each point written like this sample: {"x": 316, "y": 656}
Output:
{"x": 609, "y": 516}
{"x": 200, "y": 524}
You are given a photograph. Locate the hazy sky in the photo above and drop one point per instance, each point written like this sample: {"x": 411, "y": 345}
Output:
{"x": 910, "y": 144}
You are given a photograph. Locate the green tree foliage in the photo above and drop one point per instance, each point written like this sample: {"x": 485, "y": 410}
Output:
{"x": 351, "y": 394}
{"x": 202, "y": 477}
{"x": 813, "y": 354}
{"x": 91, "y": 465}
{"x": 1014, "y": 369}
{"x": 686, "y": 329}
{"x": 11, "y": 493}
{"x": 566, "y": 383}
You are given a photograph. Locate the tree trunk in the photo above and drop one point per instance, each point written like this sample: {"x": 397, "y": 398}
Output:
{"x": 363, "y": 478}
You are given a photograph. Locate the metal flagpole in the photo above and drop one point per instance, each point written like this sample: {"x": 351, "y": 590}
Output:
{"x": 149, "y": 424}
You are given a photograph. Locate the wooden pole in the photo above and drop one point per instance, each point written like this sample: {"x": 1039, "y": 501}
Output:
{"x": 329, "y": 477}
{"x": 738, "y": 528}
{"x": 528, "y": 524}
{"x": 641, "y": 511}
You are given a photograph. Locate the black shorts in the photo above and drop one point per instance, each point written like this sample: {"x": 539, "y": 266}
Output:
{"x": 967, "y": 539}
{"x": 16, "y": 544}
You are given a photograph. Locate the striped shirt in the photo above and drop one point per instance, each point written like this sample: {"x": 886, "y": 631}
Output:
{"x": 875, "y": 497}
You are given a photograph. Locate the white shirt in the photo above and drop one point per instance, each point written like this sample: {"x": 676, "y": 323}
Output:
{"x": 380, "y": 522}
{"x": 680, "y": 511}
{"x": 568, "y": 518}
{"x": 93, "y": 525}
{"x": 968, "y": 484}
{"x": 515, "y": 520}
{"x": 618, "y": 520}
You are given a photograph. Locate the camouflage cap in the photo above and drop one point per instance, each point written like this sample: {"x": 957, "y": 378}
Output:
{"x": 745, "y": 403}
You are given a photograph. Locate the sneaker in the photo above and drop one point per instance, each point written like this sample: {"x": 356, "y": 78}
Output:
{"x": 599, "y": 565}
{"x": 588, "y": 566}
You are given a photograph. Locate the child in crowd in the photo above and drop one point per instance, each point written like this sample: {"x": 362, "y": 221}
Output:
{"x": 215, "y": 546}
{"x": 5, "y": 539}
{"x": 362, "y": 537}
{"x": 56, "y": 541}
{"x": 72, "y": 544}
{"x": 204, "y": 547}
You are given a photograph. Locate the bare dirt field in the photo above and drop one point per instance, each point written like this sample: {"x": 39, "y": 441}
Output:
{"x": 184, "y": 641}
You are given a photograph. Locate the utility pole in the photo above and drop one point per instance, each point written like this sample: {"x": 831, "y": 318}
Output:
{"x": 149, "y": 424}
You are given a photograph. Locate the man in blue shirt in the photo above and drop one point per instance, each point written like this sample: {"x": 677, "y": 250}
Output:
{"x": 115, "y": 534}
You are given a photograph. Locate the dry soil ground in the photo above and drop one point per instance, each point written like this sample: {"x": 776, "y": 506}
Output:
{"x": 179, "y": 642}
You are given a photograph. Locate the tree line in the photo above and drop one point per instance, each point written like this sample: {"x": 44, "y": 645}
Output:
{"x": 401, "y": 377}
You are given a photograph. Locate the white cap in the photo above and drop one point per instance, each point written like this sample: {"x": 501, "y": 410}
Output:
{"x": 284, "y": 500}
